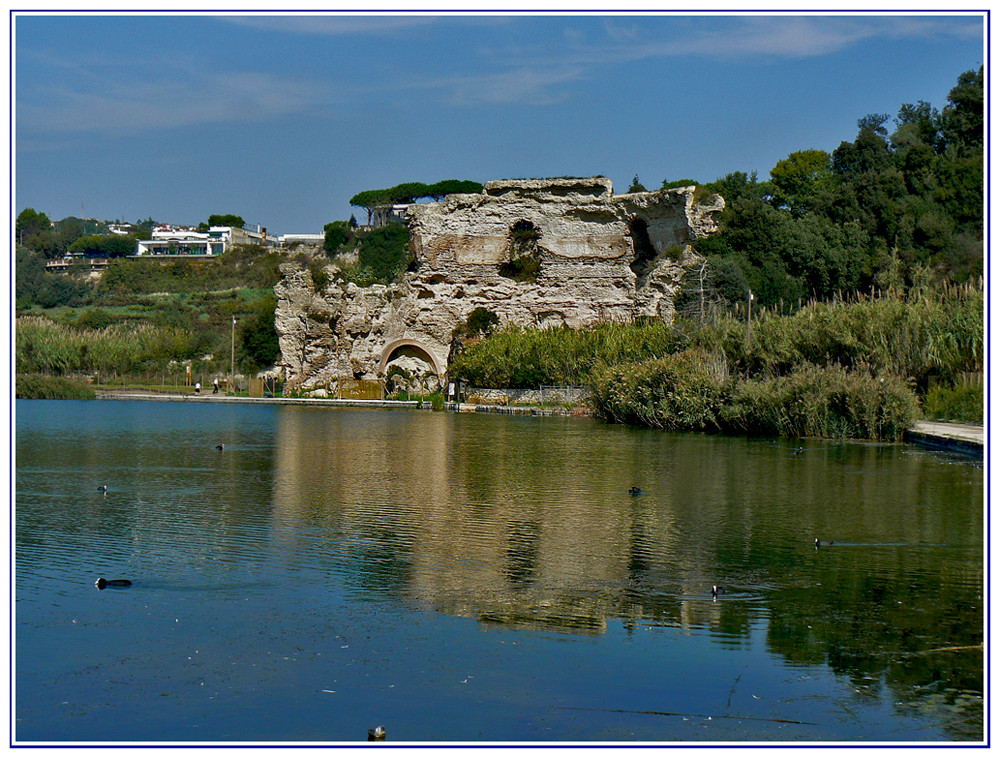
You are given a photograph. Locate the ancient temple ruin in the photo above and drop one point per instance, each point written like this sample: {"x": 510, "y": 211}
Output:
{"x": 539, "y": 252}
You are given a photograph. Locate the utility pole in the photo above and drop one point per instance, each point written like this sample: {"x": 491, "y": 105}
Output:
{"x": 232, "y": 359}
{"x": 749, "y": 304}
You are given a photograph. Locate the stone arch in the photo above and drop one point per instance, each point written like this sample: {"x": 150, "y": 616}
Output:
{"x": 397, "y": 345}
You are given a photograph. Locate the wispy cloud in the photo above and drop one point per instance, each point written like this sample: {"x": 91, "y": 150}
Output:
{"x": 522, "y": 85}
{"x": 763, "y": 37}
{"x": 547, "y": 70}
{"x": 549, "y": 63}
{"x": 181, "y": 98}
{"x": 332, "y": 24}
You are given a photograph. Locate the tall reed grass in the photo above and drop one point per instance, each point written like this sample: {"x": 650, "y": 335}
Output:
{"x": 38, "y": 387}
{"x": 523, "y": 358}
{"x": 843, "y": 369}
{"x": 43, "y": 346}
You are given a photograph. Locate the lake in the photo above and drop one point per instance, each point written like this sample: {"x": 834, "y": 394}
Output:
{"x": 484, "y": 578}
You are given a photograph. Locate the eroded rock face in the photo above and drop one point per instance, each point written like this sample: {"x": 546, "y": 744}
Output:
{"x": 544, "y": 252}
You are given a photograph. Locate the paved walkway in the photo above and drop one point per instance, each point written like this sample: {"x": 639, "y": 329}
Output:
{"x": 210, "y": 398}
{"x": 964, "y": 437}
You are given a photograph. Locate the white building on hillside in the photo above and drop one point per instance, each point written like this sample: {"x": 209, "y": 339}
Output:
{"x": 310, "y": 239}
{"x": 170, "y": 241}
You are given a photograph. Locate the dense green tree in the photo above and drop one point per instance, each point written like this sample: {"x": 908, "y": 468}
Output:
{"x": 870, "y": 151}
{"x": 336, "y": 235}
{"x": 29, "y": 223}
{"x": 258, "y": 340}
{"x": 678, "y": 183}
{"x": 452, "y": 187}
{"x": 962, "y": 117}
{"x": 410, "y": 192}
{"x": 33, "y": 285}
{"x": 226, "y": 219}
{"x": 636, "y": 185}
{"x": 802, "y": 180}
{"x": 104, "y": 245}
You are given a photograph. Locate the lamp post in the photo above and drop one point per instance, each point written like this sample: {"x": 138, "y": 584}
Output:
{"x": 232, "y": 358}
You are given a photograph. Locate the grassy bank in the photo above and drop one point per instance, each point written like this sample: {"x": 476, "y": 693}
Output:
{"x": 187, "y": 307}
{"x": 859, "y": 369}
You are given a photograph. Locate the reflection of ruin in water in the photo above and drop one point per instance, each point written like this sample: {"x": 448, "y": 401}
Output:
{"x": 528, "y": 524}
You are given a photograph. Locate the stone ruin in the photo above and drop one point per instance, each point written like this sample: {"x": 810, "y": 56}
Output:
{"x": 537, "y": 253}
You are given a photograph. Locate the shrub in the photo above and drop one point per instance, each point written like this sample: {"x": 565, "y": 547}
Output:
{"x": 962, "y": 403}
{"x": 320, "y": 278}
{"x": 816, "y": 401}
{"x": 681, "y": 391}
{"x": 94, "y": 318}
{"x": 516, "y": 357}
{"x": 524, "y": 269}
{"x": 481, "y": 321}
{"x": 39, "y": 387}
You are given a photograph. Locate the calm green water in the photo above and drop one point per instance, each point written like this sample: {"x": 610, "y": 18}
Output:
{"x": 472, "y": 577}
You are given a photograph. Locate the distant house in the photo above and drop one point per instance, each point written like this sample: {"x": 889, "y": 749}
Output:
{"x": 309, "y": 239}
{"x": 383, "y": 215}
{"x": 251, "y": 234}
{"x": 170, "y": 240}
{"x": 167, "y": 240}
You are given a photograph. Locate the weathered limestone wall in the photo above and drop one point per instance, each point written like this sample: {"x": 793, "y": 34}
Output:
{"x": 601, "y": 257}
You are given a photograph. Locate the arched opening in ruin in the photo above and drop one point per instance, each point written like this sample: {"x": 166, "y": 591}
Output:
{"x": 645, "y": 253}
{"x": 413, "y": 362}
{"x": 524, "y": 260}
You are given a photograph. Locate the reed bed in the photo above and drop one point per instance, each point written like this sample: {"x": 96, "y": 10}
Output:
{"x": 523, "y": 358}
{"x": 855, "y": 367}
{"x": 39, "y": 387}
{"x": 43, "y": 346}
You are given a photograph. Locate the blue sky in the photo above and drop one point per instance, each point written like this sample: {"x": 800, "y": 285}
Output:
{"x": 281, "y": 119}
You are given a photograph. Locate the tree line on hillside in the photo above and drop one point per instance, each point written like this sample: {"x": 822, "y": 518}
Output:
{"x": 890, "y": 208}
{"x": 34, "y": 231}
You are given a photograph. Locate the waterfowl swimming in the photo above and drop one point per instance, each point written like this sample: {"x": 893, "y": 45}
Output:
{"x": 376, "y": 734}
{"x": 822, "y": 543}
{"x": 103, "y": 488}
{"x": 101, "y": 583}
{"x": 798, "y": 450}
{"x": 220, "y": 446}
{"x": 635, "y": 491}
{"x": 717, "y": 590}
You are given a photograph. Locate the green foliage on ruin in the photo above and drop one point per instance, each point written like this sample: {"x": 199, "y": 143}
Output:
{"x": 383, "y": 255}
{"x": 410, "y": 192}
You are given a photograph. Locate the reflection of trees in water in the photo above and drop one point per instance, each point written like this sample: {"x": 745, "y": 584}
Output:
{"x": 876, "y": 621}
